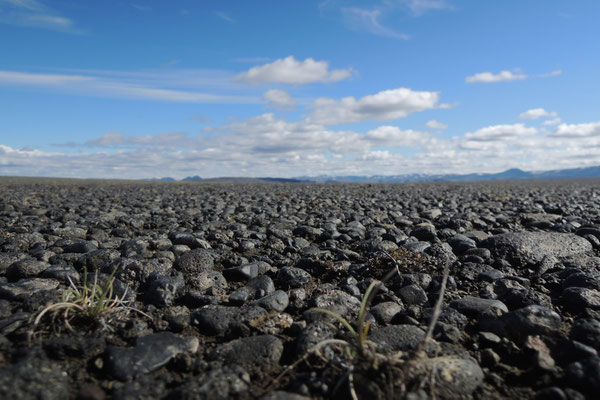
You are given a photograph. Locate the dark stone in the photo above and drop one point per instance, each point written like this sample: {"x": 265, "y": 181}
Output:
{"x": 385, "y": 312}
{"x": 218, "y": 384}
{"x": 256, "y": 354}
{"x": 530, "y": 320}
{"x": 393, "y": 338}
{"x": 277, "y": 301}
{"x": 195, "y": 261}
{"x": 219, "y": 320}
{"x": 62, "y": 273}
{"x": 478, "y": 307}
{"x": 451, "y": 377}
{"x": 26, "y": 287}
{"x": 81, "y": 246}
{"x": 33, "y": 377}
{"x": 412, "y": 295}
{"x": 578, "y": 298}
{"x": 292, "y": 277}
{"x": 149, "y": 353}
{"x": 585, "y": 375}
{"x": 28, "y": 268}
{"x": 163, "y": 289}
{"x": 586, "y": 331}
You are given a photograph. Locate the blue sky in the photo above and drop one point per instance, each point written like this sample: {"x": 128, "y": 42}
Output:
{"x": 141, "y": 89}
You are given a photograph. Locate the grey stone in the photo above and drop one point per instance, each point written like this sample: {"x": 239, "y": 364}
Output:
{"x": 460, "y": 244}
{"x": 578, "y": 298}
{"x": 218, "y": 384}
{"x": 61, "y": 273}
{"x": 395, "y": 338}
{"x": 28, "y": 268}
{"x": 338, "y": 302}
{"x": 219, "y": 320}
{"x": 207, "y": 279}
{"x": 149, "y": 353}
{"x": 277, "y": 301}
{"x": 188, "y": 239}
{"x": 530, "y": 320}
{"x": 195, "y": 261}
{"x": 412, "y": 295}
{"x": 451, "y": 377}
{"x": 164, "y": 288}
{"x": 292, "y": 277}
{"x": 385, "y": 312}
{"x": 524, "y": 249}
{"x": 81, "y": 246}
{"x": 424, "y": 232}
{"x": 25, "y": 287}
{"x": 256, "y": 354}
{"x": 586, "y": 331}
{"x": 585, "y": 375}
{"x": 478, "y": 307}
{"x": 312, "y": 334}
{"x": 34, "y": 378}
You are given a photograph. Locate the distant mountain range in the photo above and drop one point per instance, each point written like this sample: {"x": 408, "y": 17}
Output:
{"x": 511, "y": 174}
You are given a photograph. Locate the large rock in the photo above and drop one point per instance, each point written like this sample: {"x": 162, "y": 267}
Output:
{"x": 523, "y": 249}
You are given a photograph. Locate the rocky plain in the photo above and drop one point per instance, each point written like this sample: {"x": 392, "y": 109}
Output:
{"x": 213, "y": 290}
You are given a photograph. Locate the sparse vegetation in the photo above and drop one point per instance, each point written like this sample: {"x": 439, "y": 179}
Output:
{"x": 89, "y": 304}
{"x": 359, "y": 349}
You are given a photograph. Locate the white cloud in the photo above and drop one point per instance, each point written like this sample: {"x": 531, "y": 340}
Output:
{"x": 161, "y": 141}
{"x": 577, "y": 130}
{"x": 359, "y": 19}
{"x": 376, "y": 155}
{"x": 433, "y": 124}
{"x": 290, "y": 70}
{"x": 280, "y": 99}
{"x": 383, "y": 106}
{"x": 392, "y": 136}
{"x": 267, "y": 146}
{"x": 499, "y": 132}
{"x": 32, "y": 13}
{"x": 420, "y": 7}
{"x": 489, "y": 77}
{"x": 552, "y": 122}
{"x": 131, "y": 85}
{"x": 536, "y": 113}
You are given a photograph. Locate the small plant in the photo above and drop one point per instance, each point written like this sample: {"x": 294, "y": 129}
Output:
{"x": 92, "y": 303}
{"x": 359, "y": 346}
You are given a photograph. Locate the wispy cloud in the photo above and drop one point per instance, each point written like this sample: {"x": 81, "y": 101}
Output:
{"x": 34, "y": 14}
{"x": 420, "y": 7}
{"x": 156, "y": 86}
{"x": 141, "y": 7}
{"x": 360, "y": 19}
{"x": 551, "y": 74}
{"x": 292, "y": 71}
{"x": 502, "y": 76}
{"x": 507, "y": 76}
{"x": 225, "y": 17}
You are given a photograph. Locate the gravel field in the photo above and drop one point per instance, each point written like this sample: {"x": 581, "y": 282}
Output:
{"x": 153, "y": 290}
